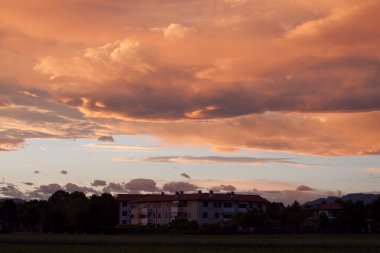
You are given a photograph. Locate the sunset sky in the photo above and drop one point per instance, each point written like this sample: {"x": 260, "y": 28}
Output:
{"x": 273, "y": 97}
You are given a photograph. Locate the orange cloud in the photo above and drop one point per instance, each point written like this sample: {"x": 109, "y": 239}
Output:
{"x": 246, "y": 185}
{"x": 300, "y": 77}
{"x": 375, "y": 170}
{"x": 10, "y": 144}
{"x": 319, "y": 134}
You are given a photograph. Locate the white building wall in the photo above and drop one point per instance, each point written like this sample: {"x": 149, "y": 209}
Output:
{"x": 164, "y": 212}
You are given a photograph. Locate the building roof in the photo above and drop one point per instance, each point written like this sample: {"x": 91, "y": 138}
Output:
{"x": 192, "y": 196}
{"x": 129, "y": 197}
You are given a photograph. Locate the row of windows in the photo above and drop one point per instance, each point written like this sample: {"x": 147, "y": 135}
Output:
{"x": 205, "y": 204}
{"x": 151, "y": 205}
{"x": 218, "y": 204}
{"x": 181, "y": 204}
{"x": 218, "y": 215}
{"x": 125, "y": 213}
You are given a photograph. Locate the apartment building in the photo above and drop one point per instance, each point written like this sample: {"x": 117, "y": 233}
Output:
{"x": 201, "y": 207}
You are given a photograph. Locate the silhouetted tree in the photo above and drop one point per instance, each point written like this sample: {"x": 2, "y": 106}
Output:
{"x": 253, "y": 219}
{"x": 104, "y": 210}
{"x": 323, "y": 222}
{"x": 9, "y": 214}
{"x": 31, "y": 214}
{"x": 294, "y": 215}
{"x": 374, "y": 210}
{"x": 183, "y": 225}
{"x": 352, "y": 216}
{"x": 77, "y": 210}
{"x": 58, "y": 197}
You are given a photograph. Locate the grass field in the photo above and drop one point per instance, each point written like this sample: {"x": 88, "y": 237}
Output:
{"x": 190, "y": 243}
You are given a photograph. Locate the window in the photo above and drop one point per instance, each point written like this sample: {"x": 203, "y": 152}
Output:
{"x": 124, "y": 222}
{"x": 205, "y": 204}
{"x": 205, "y": 215}
{"x": 217, "y": 204}
{"x": 124, "y": 213}
{"x": 131, "y": 216}
{"x": 259, "y": 206}
{"x": 242, "y": 205}
{"x": 227, "y": 204}
{"x": 216, "y": 215}
{"x": 125, "y": 203}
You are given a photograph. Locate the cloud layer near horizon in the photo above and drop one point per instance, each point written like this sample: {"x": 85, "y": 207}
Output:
{"x": 273, "y": 191}
{"x": 296, "y": 76}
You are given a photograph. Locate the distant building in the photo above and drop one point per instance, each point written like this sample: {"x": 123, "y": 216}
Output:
{"x": 329, "y": 209}
{"x": 201, "y": 207}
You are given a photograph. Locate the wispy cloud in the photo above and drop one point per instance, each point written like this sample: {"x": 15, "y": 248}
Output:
{"x": 372, "y": 170}
{"x": 113, "y": 146}
{"x": 214, "y": 159}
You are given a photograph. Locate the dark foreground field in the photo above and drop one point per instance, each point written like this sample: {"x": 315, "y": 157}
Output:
{"x": 190, "y": 243}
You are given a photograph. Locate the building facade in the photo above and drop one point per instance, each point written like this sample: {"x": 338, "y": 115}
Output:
{"x": 201, "y": 207}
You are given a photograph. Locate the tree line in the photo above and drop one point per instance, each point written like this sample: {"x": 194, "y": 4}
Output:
{"x": 75, "y": 212}
{"x": 353, "y": 217}
{"x": 62, "y": 212}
